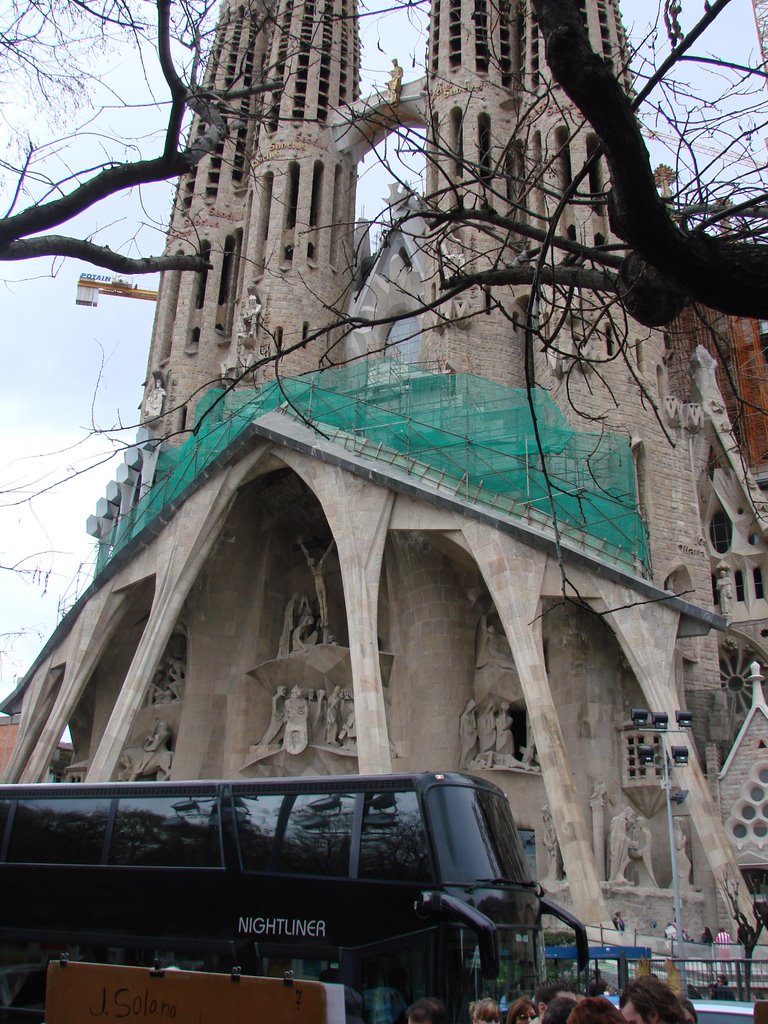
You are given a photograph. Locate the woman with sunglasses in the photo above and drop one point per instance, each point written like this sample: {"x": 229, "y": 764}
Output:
{"x": 522, "y": 1011}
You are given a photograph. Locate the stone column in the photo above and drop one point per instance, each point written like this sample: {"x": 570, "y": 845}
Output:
{"x": 647, "y": 636}
{"x": 597, "y": 805}
{"x": 82, "y": 650}
{"x": 358, "y": 514}
{"x": 514, "y": 575}
{"x": 182, "y": 550}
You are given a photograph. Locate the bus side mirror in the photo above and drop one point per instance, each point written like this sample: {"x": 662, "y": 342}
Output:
{"x": 582, "y": 942}
{"x": 435, "y": 902}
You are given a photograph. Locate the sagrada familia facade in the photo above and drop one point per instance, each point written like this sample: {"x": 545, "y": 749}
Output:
{"x": 376, "y": 523}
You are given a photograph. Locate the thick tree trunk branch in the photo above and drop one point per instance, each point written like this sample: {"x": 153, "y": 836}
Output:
{"x": 730, "y": 276}
{"x": 99, "y": 255}
{"x": 177, "y": 159}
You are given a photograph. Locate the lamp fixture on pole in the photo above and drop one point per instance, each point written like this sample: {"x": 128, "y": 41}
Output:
{"x": 678, "y": 756}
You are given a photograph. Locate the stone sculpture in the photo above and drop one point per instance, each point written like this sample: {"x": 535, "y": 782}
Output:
{"x": 395, "y": 83}
{"x": 168, "y": 683}
{"x": 682, "y": 860}
{"x": 630, "y": 843}
{"x": 153, "y": 405}
{"x": 554, "y": 867}
{"x": 296, "y": 731}
{"x": 152, "y": 758}
{"x": 316, "y": 568}
{"x": 309, "y": 718}
{"x": 468, "y": 732}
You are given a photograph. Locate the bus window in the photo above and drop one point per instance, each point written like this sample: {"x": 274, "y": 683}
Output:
{"x": 393, "y": 979}
{"x": 5, "y": 806}
{"x": 392, "y": 842}
{"x": 317, "y": 835}
{"x": 167, "y": 831}
{"x": 257, "y": 818}
{"x": 475, "y": 836}
{"x": 68, "y": 830}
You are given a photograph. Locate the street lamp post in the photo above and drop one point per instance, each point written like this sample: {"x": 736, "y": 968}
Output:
{"x": 659, "y": 722}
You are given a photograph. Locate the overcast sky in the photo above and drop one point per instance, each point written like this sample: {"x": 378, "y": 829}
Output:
{"x": 71, "y": 376}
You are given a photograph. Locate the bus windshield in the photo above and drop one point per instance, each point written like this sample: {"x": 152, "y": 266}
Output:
{"x": 477, "y": 837}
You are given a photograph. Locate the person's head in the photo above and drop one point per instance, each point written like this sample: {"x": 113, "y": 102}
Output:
{"x": 559, "y": 1009}
{"x": 649, "y": 1001}
{"x": 522, "y": 1011}
{"x": 550, "y": 990}
{"x": 595, "y": 1010}
{"x": 689, "y": 1011}
{"x": 484, "y": 1010}
{"x": 722, "y": 979}
{"x": 427, "y": 1011}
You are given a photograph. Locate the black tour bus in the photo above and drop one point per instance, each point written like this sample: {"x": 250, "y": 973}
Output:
{"x": 399, "y": 886}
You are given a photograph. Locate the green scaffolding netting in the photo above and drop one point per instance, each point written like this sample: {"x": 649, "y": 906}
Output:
{"x": 454, "y": 431}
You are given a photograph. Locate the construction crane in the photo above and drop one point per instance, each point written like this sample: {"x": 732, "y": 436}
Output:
{"x": 760, "y": 8}
{"x": 713, "y": 151}
{"x": 89, "y": 286}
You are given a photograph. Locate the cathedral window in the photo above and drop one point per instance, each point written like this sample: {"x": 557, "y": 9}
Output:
{"x": 202, "y": 276}
{"x": 457, "y": 140}
{"x": 292, "y": 203}
{"x": 227, "y": 268}
{"x": 435, "y": 42}
{"x": 757, "y": 579}
{"x": 317, "y": 194}
{"x": 738, "y": 580}
{"x": 563, "y": 158}
{"x": 505, "y": 44}
{"x": 484, "y": 158}
{"x": 720, "y": 532}
{"x": 596, "y": 184}
{"x": 193, "y": 343}
{"x": 480, "y": 18}
{"x": 454, "y": 33}
{"x": 404, "y": 340}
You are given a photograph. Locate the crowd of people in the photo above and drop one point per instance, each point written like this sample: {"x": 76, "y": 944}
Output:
{"x": 646, "y": 1000}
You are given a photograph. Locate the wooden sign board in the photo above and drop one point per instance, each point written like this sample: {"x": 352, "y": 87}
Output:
{"x": 100, "y": 994}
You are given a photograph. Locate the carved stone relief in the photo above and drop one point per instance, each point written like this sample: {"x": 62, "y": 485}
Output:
{"x": 311, "y": 717}
{"x": 495, "y": 713}
{"x": 152, "y": 759}
{"x": 553, "y": 871}
{"x": 630, "y": 849}
{"x": 307, "y": 702}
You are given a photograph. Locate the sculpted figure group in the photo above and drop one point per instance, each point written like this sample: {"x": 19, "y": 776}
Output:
{"x": 486, "y": 738}
{"x": 630, "y": 846}
{"x": 312, "y": 717}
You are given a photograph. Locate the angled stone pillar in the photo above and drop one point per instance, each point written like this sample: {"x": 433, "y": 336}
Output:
{"x": 514, "y": 575}
{"x": 647, "y": 636}
{"x": 182, "y": 550}
{"x": 83, "y": 648}
{"x": 358, "y": 514}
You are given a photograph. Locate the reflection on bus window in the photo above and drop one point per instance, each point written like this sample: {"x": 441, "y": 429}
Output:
{"x": 392, "y": 844}
{"x": 318, "y": 834}
{"x": 256, "y": 828}
{"x": 167, "y": 831}
{"x": 64, "y": 831}
{"x": 477, "y": 839}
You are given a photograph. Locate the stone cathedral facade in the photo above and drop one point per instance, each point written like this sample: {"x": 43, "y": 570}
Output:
{"x": 373, "y": 552}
